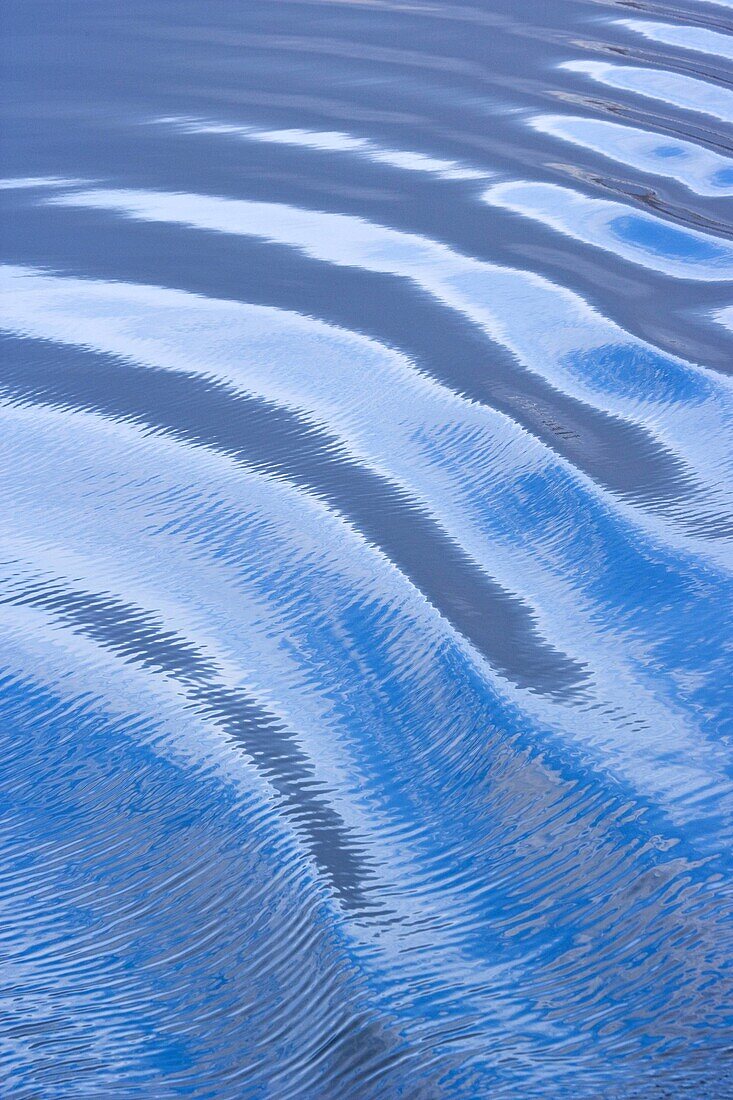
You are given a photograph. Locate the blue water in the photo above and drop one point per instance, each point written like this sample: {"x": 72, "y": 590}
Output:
{"x": 366, "y": 418}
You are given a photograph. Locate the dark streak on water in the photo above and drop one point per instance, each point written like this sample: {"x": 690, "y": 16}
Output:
{"x": 365, "y": 575}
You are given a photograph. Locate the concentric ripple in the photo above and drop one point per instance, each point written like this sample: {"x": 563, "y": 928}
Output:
{"x": 365, "y": 587}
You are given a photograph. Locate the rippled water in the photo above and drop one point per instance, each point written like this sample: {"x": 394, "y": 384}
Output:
{"x": 366, "y": 568}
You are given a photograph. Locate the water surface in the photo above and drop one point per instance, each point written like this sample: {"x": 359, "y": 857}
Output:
{"x": 365, "y": 586}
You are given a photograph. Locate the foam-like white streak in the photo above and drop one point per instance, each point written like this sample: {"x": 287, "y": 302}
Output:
{"x": 699, "y": 39}
{"x": 695, "y": 167}
{"x": 333, "y": 141}
{"x": 550, "y": 329}
{"x": 684, "y": 92}
{"x": 629, "y": 233}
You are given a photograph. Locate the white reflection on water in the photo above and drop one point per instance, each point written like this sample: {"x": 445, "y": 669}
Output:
{"x": 685, "y": 92}
{"x": 333, "y": 141}
{"x": 698, "y": 39}
{"x": 631, "y": 234}
{"x": 667, "y": 157}
{"x": 552, "y": 330}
